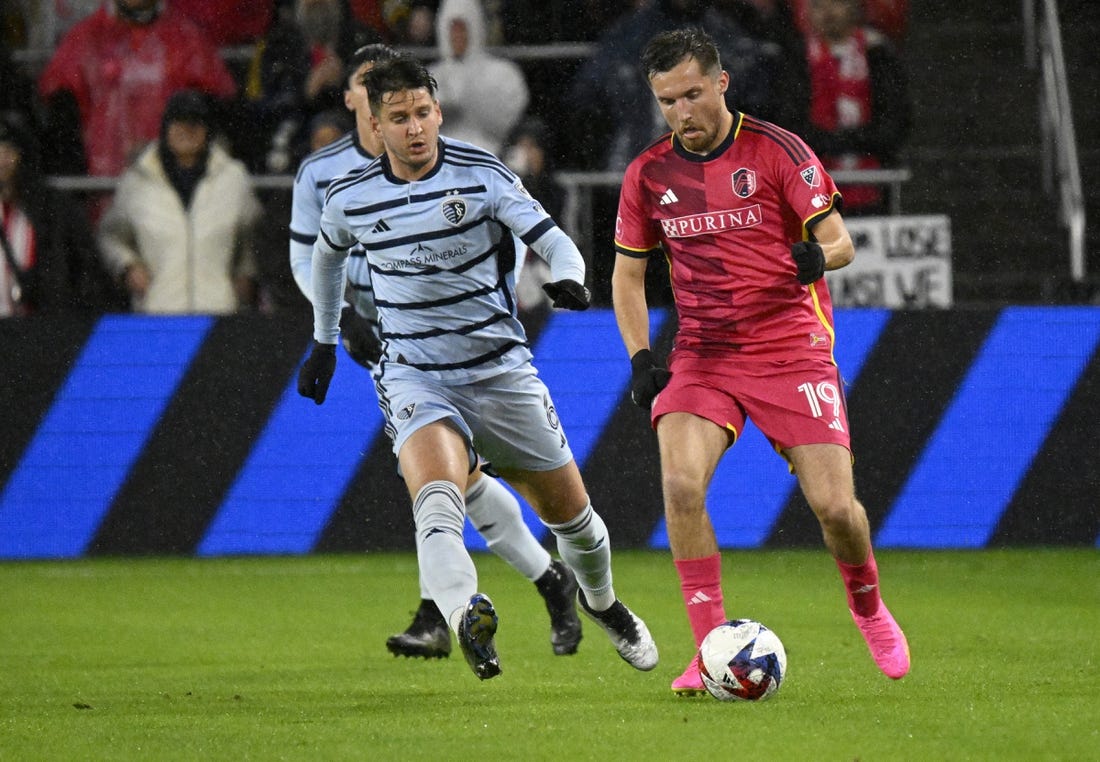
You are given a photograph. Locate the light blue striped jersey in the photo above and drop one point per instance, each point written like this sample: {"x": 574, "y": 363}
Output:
{"x": 316, "y": 172}
{"x": 440, "y": 252}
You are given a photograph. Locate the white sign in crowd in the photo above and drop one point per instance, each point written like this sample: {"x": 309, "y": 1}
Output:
{"x": 901, "y": 262}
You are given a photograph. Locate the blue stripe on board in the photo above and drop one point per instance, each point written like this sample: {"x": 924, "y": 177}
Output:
{"x": 999, "y": 418}
{"x": 294, "y": 477}
{"x": 95, "y": 429}
{"x": 752, "y": 483}
{"x": 581, "y": 359}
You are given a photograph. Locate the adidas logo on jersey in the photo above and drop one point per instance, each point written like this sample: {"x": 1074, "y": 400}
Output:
{"x": 380, "y": 227}
{"x": 668, "y": 197}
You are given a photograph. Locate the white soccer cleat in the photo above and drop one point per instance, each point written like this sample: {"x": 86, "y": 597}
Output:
{"x": 628, "y": 633}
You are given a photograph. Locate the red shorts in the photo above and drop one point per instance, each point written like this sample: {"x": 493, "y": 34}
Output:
{"x": 792, "y": 402}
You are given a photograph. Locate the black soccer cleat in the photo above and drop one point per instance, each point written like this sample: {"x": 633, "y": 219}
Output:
{"x": 558, "y": 588}
{"x": 475, "y": 636}
{"x": 628, "y": 633}
{"x": 428, "y": 637}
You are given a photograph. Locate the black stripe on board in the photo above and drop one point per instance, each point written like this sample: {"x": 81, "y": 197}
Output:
{"x": 38, "y": 354}
{"x": 375, "y": 512}
{"x": 207, "y": 431}
{"x": 906, "y": 384}
{"x": 1056, "y": 503}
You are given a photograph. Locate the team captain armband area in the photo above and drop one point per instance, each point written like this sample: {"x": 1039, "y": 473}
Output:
{"x": 137, "y": 435}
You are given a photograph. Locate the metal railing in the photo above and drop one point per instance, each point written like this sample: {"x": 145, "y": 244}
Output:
{"x": 577, "y": 217}
{"x": 1061, "y": 168}
{"x": 36, "y": 58}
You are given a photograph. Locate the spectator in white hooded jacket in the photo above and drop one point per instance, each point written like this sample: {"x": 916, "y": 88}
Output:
{"x": 483, "y": 96}
{"x": 179, "y": 232}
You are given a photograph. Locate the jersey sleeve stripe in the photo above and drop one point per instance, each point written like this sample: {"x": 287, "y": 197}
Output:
{"x": 635, "y": 253}
{"x": 537, "y": 232}
{"x": 333, "y": 246}
{"x": 817, "y": 217}
{"x": 308, "y": 240}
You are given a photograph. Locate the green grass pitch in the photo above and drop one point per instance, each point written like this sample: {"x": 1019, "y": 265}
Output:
{"x": 284, "y": 658}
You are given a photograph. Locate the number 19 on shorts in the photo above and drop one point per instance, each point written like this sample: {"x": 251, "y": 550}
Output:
{"x": 824, "y": 396}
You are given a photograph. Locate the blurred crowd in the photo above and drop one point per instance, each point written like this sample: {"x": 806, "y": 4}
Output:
{"x": 185, "y": 103}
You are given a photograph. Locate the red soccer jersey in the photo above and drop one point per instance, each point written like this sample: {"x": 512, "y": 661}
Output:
{"x": 726, "y": 222}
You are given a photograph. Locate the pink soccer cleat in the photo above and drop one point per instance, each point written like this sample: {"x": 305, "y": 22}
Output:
{"x": 886, "y": 641}
{"x": 691, "y": 682}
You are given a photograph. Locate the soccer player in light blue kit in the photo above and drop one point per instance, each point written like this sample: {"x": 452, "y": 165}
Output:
{"x": 435, "y": 218}
{"x": 493, "y": 510}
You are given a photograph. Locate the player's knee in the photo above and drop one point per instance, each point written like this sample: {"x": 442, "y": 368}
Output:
{"x": 837, "y": 513}
{"x": 683, "y": 492}
{"x": 439, "y": 507}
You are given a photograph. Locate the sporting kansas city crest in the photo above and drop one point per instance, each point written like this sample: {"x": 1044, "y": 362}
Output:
{"x": 454, "y": 210}
{"x": 744, "y": 182}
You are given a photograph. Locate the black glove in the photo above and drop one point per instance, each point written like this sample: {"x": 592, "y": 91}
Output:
{"x": 568, "y": 294}
{"x": 810, "y": 260}
{"x": 360, "y": 338}
{"x": 316, "y": 372}
{"x": 647, "y": 378}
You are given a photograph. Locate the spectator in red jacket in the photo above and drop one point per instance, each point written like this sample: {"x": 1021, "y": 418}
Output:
{"x": 891, "y": 17}
{"x": 860, "y": 111}
{"x": 113, "y": 73}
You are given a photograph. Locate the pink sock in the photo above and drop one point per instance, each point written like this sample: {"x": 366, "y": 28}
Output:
{"x": 861, "y": 584}
{"x": 701, "y": 586}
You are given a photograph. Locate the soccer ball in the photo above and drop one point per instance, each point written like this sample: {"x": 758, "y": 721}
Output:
{"x": 742, "y": 660}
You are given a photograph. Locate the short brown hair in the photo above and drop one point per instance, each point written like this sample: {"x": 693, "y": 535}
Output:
{"x": 667, "y": 49}
{"x": 395, "y": 75}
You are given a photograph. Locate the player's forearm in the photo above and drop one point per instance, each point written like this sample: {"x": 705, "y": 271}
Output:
{"x": 328, "y": 273}
{"x": 836, "y": 244}
{"x": 838, "y": 253}
{"x": 629, "y": 300}
{"x": 301, "y": 267}
{"x": 563, "y": 256}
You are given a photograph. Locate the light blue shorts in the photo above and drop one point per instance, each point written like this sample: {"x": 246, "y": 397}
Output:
{"x": 509, "y": 419}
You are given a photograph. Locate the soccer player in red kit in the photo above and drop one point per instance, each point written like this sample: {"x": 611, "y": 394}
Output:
{"x": 749, "y": 222}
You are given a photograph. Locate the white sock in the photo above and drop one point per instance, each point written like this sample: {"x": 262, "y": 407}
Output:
{"x": 446, "y": 569}
{"x": 496, "y": 515}
{"x": 585, "y": 547}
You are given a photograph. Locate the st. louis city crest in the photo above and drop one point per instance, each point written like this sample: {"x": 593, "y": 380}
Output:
{"x": 454, "y": 210}
{"x": 744, "y": 182}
